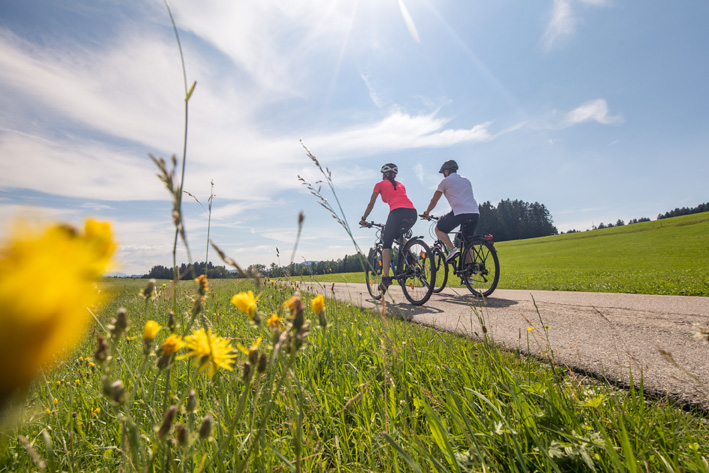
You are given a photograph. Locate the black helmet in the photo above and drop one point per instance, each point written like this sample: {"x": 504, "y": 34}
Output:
{"x": 449, "y": 165}
{"x": 390, "y": 167}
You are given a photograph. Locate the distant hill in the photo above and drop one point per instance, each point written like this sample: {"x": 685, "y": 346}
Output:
{"x": 667, "y": 256}
{"x": 116, "y": 274}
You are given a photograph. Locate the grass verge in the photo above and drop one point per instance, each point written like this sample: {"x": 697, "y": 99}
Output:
{"x": 363, "y": 394}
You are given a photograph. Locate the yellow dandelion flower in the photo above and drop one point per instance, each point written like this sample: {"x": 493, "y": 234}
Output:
{"x": 171, "y": 345}
{"x": 530, "y": 329}
{"x": 275, "y": 321}
{"x": 47, "y": 281}
{"x": 77, "y": 382}
{"x": 250, "y": 352}
{"x": 318, "y": 303}
{"x": 212, "y": 352}
{"x": 48, "y": 411}
{"x": 203, "y": 284}
{"x": 56, "y": 401}
{"x": 151, "y": 329}
{"x": 246, "y": 302}
{"x": 294, "y": 303}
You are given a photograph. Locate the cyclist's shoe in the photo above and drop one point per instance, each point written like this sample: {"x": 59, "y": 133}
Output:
{"x": 386, "y": 282}
{"x": 453, "y": 253}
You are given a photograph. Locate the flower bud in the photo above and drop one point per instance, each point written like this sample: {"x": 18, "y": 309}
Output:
{"x": 262, "y": 363}
{"x": 205, "y": 429}
{"x": 191, "y": 401}
{"x": 171, "y": 320}
{"x": 253, "y": 355}
{"x": 101, "y": 352}
{"x": 167, "y": 420}
{"x": 247, "y": 371}
{"x": 119, "y": 324}
{"x": 147, "y": 293}
{"x": 118, "y": 392}
{"x": 183, "y": 435}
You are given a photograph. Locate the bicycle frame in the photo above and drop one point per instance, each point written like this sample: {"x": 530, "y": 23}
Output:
{"x": 477, "y": 266}
{"x": 399, "y": 242}
{"x": 411, "y": 266}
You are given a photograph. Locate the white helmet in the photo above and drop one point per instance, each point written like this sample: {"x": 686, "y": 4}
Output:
{"x": 389, "y": 167}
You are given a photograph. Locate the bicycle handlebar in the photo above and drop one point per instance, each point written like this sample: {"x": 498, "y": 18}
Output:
{"x": 430, "y": 217}
{"x": 372, "y": 224}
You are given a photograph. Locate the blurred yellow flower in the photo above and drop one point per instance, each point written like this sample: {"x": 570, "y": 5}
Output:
{"x": 47, "y": 281}
{"x": 246, "y": 302}
{"x": 212, "y": 352}
{"x": 294, "y": 303}
{"x": 530, "y": 329}
{"x": 203, "y": 284}
{"x": 275, "y": 321}
{"x": 171, "y": 345}
{"x": 252, "y": 352}
{"x": 151, "y": 329}
{"x": 318, "y": 303}
{"x": 56, "y": 401}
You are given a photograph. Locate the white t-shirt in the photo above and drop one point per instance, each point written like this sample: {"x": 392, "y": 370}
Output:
{"x": 459, "y": 192}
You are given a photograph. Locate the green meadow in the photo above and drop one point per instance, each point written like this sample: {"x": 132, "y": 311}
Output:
{"x": 668, "y": 256}
{"x": 363, "y": 393}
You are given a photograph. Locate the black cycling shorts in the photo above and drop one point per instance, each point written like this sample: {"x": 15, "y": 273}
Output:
{"x": 467, "y": 223}
{"x": 399, "y": 222}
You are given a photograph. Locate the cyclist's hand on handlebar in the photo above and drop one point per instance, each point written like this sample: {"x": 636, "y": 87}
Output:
{"x": 425, "y": 216}
{"x": 365, "y": 223}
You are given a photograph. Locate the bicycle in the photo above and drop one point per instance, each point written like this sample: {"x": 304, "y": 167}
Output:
{"x": 480, "y": 275}
{"x": 415, "y": 272}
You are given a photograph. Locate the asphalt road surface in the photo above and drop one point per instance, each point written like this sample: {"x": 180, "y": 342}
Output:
{"x": 605, "y": 335}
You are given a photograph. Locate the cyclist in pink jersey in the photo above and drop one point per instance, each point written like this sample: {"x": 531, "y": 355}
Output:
{"x": 402, "y": 214}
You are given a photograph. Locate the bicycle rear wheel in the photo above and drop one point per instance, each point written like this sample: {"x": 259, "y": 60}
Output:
{"x": 441, "y": 268}
{"x": 418, "y": 275}
{"x": 482, "y": 275}
{"x": 373, "y": 272}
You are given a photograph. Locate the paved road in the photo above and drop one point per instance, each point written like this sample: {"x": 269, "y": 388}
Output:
{"x": 602, "y": 334}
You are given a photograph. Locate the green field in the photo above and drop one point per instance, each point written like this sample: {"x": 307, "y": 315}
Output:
{"x": 366, "y": 393}
{"x": 668, "y": 256}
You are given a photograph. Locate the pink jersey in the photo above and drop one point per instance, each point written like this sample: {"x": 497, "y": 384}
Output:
{"x": 396, "y": 199}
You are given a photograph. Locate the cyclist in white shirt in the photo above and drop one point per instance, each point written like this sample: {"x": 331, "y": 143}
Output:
{"x": 464, "y": 209}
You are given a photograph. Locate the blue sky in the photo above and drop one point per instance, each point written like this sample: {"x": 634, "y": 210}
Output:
{"x": 595, "y": 108}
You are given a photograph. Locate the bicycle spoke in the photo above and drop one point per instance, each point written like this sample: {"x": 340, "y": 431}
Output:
{"x": 417, "y": 273}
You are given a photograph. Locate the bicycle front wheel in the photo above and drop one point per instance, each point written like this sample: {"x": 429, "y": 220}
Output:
{"x": 373, "y": 272}
{"x": 418, "y": 274}
{"x": 441, "y": 269}
{"x": 482, "y": 275}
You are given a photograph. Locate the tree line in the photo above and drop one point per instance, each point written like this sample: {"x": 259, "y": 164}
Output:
{"x": 185, "y": 272}
{"x": 685, "y": 211}
{"x": 515, "y": 220}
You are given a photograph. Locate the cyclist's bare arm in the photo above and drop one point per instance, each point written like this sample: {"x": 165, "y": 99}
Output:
{"x": 434, "y": 201}
{"x": 370, "y": 206}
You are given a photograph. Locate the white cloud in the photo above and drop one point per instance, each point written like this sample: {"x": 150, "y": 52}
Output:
{"x": 593, "y": 111}
{"x": 80, "y": 168}
{"x": 561, "y": 24}
{"x": 563, "y": 21}
{"x": 399, "y": 131}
